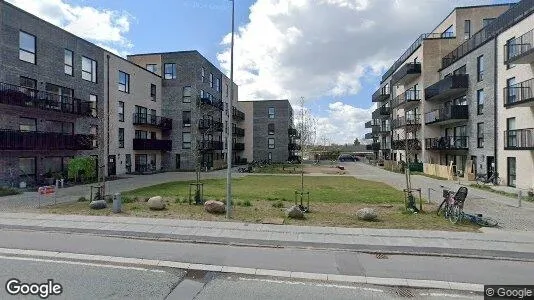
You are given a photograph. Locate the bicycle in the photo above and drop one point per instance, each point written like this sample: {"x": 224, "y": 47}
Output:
{"x": 453, "y": 204}
{"x": 483, "y": 178}
{"x": 479, "y": 220}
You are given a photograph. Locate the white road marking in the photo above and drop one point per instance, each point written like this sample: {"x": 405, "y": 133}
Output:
{"x": 314, "y": 284}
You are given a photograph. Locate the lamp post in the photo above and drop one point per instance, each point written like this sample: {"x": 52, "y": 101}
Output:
{"x": 229, "y": 140}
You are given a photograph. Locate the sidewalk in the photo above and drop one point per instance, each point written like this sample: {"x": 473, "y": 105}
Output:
{"x": 490, "y": 244}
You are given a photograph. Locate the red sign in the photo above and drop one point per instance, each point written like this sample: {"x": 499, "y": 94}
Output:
{"x": 47, "y": 190}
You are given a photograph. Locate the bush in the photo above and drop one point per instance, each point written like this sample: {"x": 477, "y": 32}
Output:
{"x": 82, "y": 168}
{"x": 247, "y": 203}
{"x": 82, "y": 199}
{"x": 5, "y": 191}
{"x": 278, "y": 204}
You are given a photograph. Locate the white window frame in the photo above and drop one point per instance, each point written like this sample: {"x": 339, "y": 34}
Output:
{"x": 89, "y": 75}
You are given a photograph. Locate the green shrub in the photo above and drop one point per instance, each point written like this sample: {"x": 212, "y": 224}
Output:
{"x": 82, "y": 168}
{"x": 278, "y": 204}
{"x": 247, "y": 203}
{"x": 6, "y": 191}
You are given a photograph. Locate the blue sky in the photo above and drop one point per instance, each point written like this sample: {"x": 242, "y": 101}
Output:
{"x": 332, "y": 52}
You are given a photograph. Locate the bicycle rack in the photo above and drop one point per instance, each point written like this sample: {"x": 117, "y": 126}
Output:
{"x": 409, "y": 192}
{"x": 199, "y": 187}
{"x": 301, "y": 206}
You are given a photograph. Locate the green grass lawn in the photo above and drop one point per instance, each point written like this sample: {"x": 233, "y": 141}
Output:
{"x": 5, "y": 191}
{"x": 328, "y": 189}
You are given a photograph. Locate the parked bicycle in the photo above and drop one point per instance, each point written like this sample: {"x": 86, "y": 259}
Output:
{"x": 483, "y": 178}
{"x": 479, "y": 220}
{"x": 453, "y": 203}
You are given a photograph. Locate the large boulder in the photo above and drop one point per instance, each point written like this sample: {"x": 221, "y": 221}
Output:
{"x": 294, "y": 212}
{"x": 367, "y": 214}
{"x": 156, "y": 203}
{"x": 98, "y": 204}
{"x": 214, "y": 207}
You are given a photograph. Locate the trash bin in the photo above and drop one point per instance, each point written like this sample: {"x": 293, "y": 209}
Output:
{"x": 117, "y": 204}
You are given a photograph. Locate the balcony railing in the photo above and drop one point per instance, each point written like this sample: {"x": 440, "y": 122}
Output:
{"x": 406, "y": 98}
{"x": 238, "y": 115}
{"x": 454, "y": 113}
{"x": 210, "y": 145}
{"x": 208, "y": 124}
{"x": 215, "y": 103}
{"x": 293, "y": 146}
{"x": 516, "y": 13}
{"x": 406, "y": 73}
{"x": 447, "y": 143}
{"x": 410, "y": 120}
{"x": 371, "y": 124}
{"x": 370, "y": 136}
{"x": 36, "y": 140}
{"x": 381, "y": 94}
{"x": 152, "y": 120}
{"x": 447, "y": 87}
{"x": 238, "y": 131}
{"x": 384, "y": 128}
{"x": 292, "y": 132}
{"x": 26, "y": 97}
{"x": 519, "y": 94}
{"x": 519, "y": 139}
{"x": 373, "y": 147}
{"x": 238, "y": 146}
{"x": 520, "y": 50}
{"x": 152, "y": 144}
{"x": 413, "y": 144}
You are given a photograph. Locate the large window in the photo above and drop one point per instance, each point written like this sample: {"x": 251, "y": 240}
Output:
{"x": 27, "y": 166}
{"x": 511, "y": 133}
{"x": 27, "y": 82}
{"x": 270, "y": 128}
{"x": 480, "y": 68}
{"x": 151, "y": 68}
{"x": 203, "y": 74}
{"x": 170, "y": 71}
{"x": 461, "y": 70}
{"x": 186, "y": 140}
{"x": 467, "y": 29}
{"x": 94, "y": 133}
{"x": 480, "y": 102}
{"x": 153, "y": 92}
{"x": 510, "y": 51}
{"x": 88, "y": 69}
{"x": 27, "y": 124}
{"x": 26, "y": 47}
{"x": 485, "y": 22}
{"x": 187, "y": 93}
{"x": 271, "y": 112}
{"x": 271, "y": 143}
{"x": 449, "y": 32}
{"x": 120, "y": 109}
{"x": 211, "y": 80}
{"x": 141, "y": 134}
{"x": 227, "y": 90}
{"x": 511, "y": 168}
{"x": 480, "y": 135}
{"x": 512, "y": 94}
{"x": 124, "y": 82}
{"x": 121, "y": 137}
{"x": 68, "y": 62}
{"x": 217, "y": 84}
{"x": 186, "y": 117}
{"x": 93, "y": 99}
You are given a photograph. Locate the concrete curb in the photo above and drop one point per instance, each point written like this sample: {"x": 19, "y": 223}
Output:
{"x": 398, "y": 282}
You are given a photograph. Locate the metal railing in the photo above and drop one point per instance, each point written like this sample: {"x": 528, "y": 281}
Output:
{"x": 519, "y": 139}
{"x": 152, "y": 120}
{"x": 381, "y": 94}
{"x": 215, "y": 103}
{"x": 237, "y": 114}
{"x": 509, "y": 17}
{"x": 406, "y": 121}
{"x": 238, "y": 131}
{"x": 519, "y": 93}
{"x": 210, "y": 145}
{"x": 239, "y": 146}
{"x": 407, "y": 96}
{"x": 407, "y": 69}
{"x": 21, "y": 96}
{"x": 413, "y": 144}
{"x": 447, "y": 143}
{"x": 205, "y": 124}
{"x": 152, "y": 144}
{"x": 293, "y": 146}
{"x": 447, "y": 86}
{"x": 37, "y": 140}
{"x": 519, "y": 46}
{"x": 454, "y": 112}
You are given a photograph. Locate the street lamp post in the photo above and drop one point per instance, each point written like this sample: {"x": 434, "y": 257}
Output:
{"x": 229, "y": 140}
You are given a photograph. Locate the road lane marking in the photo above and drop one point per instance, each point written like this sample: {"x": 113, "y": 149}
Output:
{"x": 98, "y": 260}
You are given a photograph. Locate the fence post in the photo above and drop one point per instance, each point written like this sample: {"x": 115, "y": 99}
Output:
{"x": 519, "y": 197}
{"x": 429, "y": 195}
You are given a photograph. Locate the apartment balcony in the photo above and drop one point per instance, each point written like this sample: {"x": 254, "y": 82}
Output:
{"x": 370, "y": 136}
{"x": 152, "y": 144}
{"x": 519, "y": 94}
{"x": 370, "y": 124}
{"x": 520, "y": 50}
{"x": 447, "y": 143}
{"x": 293, "y": 146}
{"x": 382, "y": 94}
{"x": 447, "y": 87}
{"x": 407, "y": 100}
{"x": 413, "y": 144}
{"x": 210, "y": 145}
{"x": 384, "y": 129}
{"x": 25, "y": 97}
{"x": 406, "y": 73}
{"x": 519, "y": 139}
{"x": 42, "y": 141}
{"x": 238, "y": 131}
{"x": 152, "y": 120}
{"x": 443, "y": 116}
{"x": 373, "y": 147}
{"x": 238, "y": 147}
{"x": 408, "y": 121}
{"x": 211, "y": 125}
{"x": 292, "y": 132}
{"x": 375, "y": 129}
{"x": 238, "y": 115}
{"x": 212, "y": 102}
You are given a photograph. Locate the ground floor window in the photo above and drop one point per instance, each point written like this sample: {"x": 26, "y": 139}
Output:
{"x": 128, "y": 163}
{"x": 141, "y": 162}
{"x": 511, "y": 170}
{"x": 177, "y": 161}
{"x": 27, "y": 166}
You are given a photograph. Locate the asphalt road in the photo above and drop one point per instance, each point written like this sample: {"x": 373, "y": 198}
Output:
{"x": 289, "y": 259}
{"x": 97, "y": 281}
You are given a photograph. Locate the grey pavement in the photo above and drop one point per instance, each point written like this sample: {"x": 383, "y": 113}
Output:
{"x": 502, "y": 208}
{"x": 490, "y": 243}
{"x": 280, "y": 261}
{"x": 71, "y": 194}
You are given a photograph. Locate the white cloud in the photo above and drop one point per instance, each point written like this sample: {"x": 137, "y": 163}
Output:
{"x": 324, "y": 48}
{"x": 107, "y": 28}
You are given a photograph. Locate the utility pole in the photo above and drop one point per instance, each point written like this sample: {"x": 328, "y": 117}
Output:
{"x": 302, "y": 146}
{"x": 229, "y": 139}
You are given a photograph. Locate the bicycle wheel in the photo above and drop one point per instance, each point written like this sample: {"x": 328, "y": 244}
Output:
{"x": 442, "y": 208}
{"x": 455, "y": 214}
{"x": 486, "y": 222}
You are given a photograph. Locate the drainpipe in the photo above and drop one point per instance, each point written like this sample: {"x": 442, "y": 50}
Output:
{"x": 495, "y": 109}
{"x": 107, "y": 123}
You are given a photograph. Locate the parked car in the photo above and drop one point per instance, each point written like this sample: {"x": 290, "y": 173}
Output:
{"x": 346, "y": 157}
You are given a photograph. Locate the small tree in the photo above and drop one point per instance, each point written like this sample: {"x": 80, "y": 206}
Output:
{"x": 356, "y": 142}
{"x": 84, "y": 167}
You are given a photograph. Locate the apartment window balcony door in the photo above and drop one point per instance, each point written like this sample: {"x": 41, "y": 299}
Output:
{"x": 112, "y": 165}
